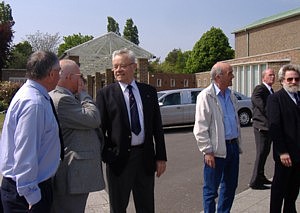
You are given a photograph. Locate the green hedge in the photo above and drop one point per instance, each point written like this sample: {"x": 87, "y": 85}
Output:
{"x": 7, "y": 91}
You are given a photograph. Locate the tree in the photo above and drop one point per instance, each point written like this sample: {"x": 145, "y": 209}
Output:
{"x": 19, "y": 55}
{"x": 73, "y": 41}
{"x": 175, "y": 61}
{"x": 44, "y": 41}
{"x": 212, "y": 47}
{"x": 112, "y": 26}
{"x": 6, "y": 33}
{"x": 131, "y": 32}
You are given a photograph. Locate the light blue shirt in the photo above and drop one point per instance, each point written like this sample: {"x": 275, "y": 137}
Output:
{"x": 30, "y": 146}
{"x": 230, "y": 121}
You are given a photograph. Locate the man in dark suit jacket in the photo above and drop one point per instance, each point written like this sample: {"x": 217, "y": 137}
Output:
{"x": 284, "y": 126}
{"x": 131, "y": 158}
{"x": 260, "y": 125}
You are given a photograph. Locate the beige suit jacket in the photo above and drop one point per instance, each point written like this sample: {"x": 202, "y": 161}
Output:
{"x": 81, "y": 169}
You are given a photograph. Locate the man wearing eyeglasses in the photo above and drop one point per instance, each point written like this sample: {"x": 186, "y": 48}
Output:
{"x": 283, "y": 112}
{"x": 80, "y": 172}
{"x": 134, "y": 141}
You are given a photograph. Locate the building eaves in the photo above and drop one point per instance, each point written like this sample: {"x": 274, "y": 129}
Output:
{"x": 270, "y": 19}
{"x": 105, "y": 45}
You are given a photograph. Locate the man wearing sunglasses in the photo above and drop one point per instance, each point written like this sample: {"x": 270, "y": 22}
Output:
{"x": 283, "y": 112}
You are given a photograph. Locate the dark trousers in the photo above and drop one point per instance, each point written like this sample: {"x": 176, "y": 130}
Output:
{"x": 1, "y": 207}
{"x": 135, "y": 179}
{"x": 285, "y": 188}
{"x": 263, "y": 147}
{"x": 13, "y": 202}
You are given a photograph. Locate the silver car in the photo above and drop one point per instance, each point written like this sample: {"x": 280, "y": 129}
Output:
{"x": 178, "y": 106}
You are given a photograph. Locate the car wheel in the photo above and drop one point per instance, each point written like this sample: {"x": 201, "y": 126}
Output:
{"x": 244, "y": 117}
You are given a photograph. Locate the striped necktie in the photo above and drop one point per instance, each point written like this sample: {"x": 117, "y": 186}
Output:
{"x": 134, "y": 114}
{"x": 297, "y": 99}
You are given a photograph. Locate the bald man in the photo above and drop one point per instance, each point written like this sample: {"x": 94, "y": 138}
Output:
{"x": 217, "y": 133}
{"x": 81, "y": 170}
{"x": 261, "y": 130}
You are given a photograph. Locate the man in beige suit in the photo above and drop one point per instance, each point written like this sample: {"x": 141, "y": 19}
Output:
{"x": 80, "y": 172}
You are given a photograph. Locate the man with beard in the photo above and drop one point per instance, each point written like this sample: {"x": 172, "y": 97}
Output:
{"x": 283, "y": 111}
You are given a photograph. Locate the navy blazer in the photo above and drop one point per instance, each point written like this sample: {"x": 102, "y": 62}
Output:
{"x": 115, "y": 125}
{"x": 284, "y": 125}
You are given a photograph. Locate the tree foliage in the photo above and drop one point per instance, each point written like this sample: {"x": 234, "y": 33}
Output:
{"x": 131, "y": 32}
{"x": 212, "y": 47}
{"x": 19, "y": 55}
{"x": 6, "y": 32}
{"x": 113, "y": 26}
{"x": 175, "y": 62}
{"x": 73, "y": 41}
{"x": 44, "y": 41}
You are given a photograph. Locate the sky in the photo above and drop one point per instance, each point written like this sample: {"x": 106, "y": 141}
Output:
{"x": 163, "y": 25}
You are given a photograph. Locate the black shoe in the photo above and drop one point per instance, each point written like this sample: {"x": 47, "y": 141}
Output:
{"x": 266, "y": 181}
{"x": 259, "y": 187}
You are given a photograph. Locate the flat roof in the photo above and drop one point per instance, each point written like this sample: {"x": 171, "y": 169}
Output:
{"x": 270, "y": 19}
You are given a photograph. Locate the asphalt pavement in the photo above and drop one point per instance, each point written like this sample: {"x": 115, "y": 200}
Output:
{"x": 248, "y": 201}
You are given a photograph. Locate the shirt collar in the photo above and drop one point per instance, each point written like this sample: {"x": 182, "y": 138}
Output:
{"x": 217, "y": 89}
{"x": 124, "y": 86}
{"x": 268, "y": 86}
{"x": 39, "y": 87}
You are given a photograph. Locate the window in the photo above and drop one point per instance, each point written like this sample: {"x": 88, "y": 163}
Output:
{"x": 186, "y": 83}
{"x": 199, "y": 83}
{"x": 172, "y": 82}
{"x": 172, "y": 99}
{"x": 158, "y": 82}
{"x": 194, "y": 95}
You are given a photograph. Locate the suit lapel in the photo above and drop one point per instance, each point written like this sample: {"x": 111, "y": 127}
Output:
{"x": 120, "y": 101}
{"x": 146, "y": 99}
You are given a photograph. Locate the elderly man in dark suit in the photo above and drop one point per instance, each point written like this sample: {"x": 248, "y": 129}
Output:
{"x": 283, "y": 111}
{"x": 131, "y": 118}
{"x": 260, "y": 125}
{"x": 81, "y": 170}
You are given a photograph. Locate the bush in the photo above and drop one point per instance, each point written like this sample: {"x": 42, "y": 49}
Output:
{"x": 7, "y": 91}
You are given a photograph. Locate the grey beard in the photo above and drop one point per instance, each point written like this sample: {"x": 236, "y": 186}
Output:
{"x": 291, "y": 89}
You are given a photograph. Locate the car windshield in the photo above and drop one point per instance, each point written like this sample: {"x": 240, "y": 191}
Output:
{"x": 159, "y": 94}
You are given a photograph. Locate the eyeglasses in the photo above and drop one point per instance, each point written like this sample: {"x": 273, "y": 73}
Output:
{"x": 78, "y": 74}
{"x": 291, "y": 79}
{"x": 121, "y": 66}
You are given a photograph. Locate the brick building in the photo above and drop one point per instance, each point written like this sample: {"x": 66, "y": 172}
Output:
{"x": 267, "y": 43}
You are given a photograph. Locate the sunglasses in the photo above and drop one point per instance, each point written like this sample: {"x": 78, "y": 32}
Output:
{"x": 291, "y": 79}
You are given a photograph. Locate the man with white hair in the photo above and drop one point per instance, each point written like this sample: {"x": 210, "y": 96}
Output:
{"x": 283, "y": 111}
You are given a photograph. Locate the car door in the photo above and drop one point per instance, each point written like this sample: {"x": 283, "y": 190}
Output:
{"x": 171, "y": 109}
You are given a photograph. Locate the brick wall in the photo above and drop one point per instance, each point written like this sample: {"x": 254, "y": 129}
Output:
{"x": 180, "y": 80}
{"x": 13, "y": 73}
{"x": 273, "y": 37}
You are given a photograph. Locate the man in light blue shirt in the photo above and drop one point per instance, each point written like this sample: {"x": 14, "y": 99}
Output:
{"x": 217, "y": 133}
{"x": 30, "y": 144}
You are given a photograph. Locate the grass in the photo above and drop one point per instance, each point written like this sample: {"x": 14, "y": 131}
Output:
{"x": 2, "y": 116}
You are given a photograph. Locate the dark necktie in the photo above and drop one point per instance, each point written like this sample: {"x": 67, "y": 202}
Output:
{"x": 59, "y": 131}
{"x": 272, "y": 91}
{"x": 297, "y": 99}
{"x": 134, "y": 114}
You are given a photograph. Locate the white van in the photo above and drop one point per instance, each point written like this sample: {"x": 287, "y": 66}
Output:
{"x": 178, "y": 106}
